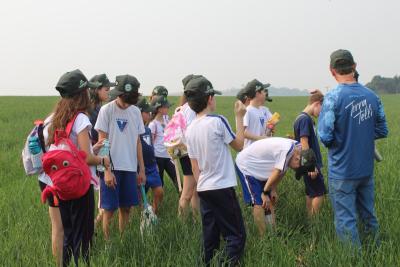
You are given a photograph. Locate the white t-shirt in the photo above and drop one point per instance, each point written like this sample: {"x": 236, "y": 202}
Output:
{"x": 157, "y": 129}
{"x": 81, "y": 123}
{"x": 255, "y": 121}
{"x": 263, "y": 156}
{"x": 123, "y": 127}
{"x": 208, "y": 140}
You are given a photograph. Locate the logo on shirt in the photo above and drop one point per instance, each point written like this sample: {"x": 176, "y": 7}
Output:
{"x": 262, "y": 121}
{"x": 121, "y": 124}
{"x": 361, "y": 110}
{"x": 147, "y": 139}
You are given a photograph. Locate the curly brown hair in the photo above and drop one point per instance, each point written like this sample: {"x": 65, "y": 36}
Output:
{"x": 65, "y": 110}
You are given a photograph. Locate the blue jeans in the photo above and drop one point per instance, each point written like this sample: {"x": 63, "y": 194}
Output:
{"x": 352, "y": 197}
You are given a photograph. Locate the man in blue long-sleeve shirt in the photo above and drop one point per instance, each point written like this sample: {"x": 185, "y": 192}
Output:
{"x": 352, "y": 117}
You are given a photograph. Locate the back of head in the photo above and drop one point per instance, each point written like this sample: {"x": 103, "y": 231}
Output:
{"x": 315, "y": 96}
{"x": 73, "y": 88}
{"x": 342, "y": 62}
{"x": 197, "y": 91}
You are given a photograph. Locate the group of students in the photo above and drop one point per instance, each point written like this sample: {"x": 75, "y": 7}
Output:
{"x": 135, "y": 127}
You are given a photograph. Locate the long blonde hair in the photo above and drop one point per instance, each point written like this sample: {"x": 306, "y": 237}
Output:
{"x": 65, "y": 110}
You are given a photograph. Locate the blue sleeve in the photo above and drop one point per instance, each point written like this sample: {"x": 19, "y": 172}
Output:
{"x": 304, "y": 126}
{"x": 326, "y": 121}
{"x": 381, "y": 129}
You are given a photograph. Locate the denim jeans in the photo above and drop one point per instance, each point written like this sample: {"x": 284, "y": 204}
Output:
{"x": 353, "y": 199}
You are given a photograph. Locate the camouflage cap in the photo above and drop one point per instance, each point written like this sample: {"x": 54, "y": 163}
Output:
{"x": 73, "y": 82}
{"x": 160, "y": 90}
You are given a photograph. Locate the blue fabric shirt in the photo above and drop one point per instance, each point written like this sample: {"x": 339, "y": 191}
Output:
{"x": 304, "y": 127}
{"x": 147, "y": 148}
{"x": 93, "y": 114}
{"x": 352, "y": 117}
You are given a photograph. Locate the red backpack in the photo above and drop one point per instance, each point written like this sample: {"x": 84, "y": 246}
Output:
{"x": 66, "y": 167}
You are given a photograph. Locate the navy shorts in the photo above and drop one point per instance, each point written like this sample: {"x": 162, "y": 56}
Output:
{"x": 125, "y": 193}
{"x": 315, "y": 187}
{"x": 251, "y": 188}
{"x": 153, "y": 179}
{"x": 186, "y": 165}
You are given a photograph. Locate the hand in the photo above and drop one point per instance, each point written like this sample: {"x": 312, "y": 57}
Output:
{"x": 109, "y": 179}
{"x": 313, "y": 174}
{"x": 274, "y": 197}
{"x": 266, "y": 201}
{"x": 97, "y": 147}
{"x": 240, "y": 109}
{"x": 141, "y": 177}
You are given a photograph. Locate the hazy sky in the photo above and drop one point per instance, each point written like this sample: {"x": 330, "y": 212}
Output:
{"x": 283, "y": 42}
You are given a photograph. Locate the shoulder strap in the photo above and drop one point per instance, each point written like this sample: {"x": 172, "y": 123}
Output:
{"x": 68, "y": 128}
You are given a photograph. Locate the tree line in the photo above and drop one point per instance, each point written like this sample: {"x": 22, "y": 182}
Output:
{"x": 383, "y": 85}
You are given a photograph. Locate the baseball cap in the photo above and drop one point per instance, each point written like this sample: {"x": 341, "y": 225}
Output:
{"x": 241, "y": 95}
{"x": 200, "y": 86}
{"x": 159, "y": 101}
{"x": 341, "y": 59}
{"x": 255, "y": 86}
{"x": 73, "y": 82}
{"x": 144, "y": 105}
{"x": 308, "y": 163}
{"x": 188, "y": 78}
{"x": 160, "y": 90}
{"x": 125, "y": 84}
{"x": 103, "y": 80}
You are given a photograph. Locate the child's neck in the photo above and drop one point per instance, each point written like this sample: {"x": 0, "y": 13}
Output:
{"x": 204, "y": 112}
{"x": 121, "y": 104}
{"x": 255, "y": 103}
{"x": 309, "y": 110}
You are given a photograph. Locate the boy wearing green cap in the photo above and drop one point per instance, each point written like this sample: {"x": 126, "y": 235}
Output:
{"x": 208, "y": 139}
{"x": 121, "y": 123}
{"x": 257, "y": 115}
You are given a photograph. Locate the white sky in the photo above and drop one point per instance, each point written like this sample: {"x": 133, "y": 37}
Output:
{"x": 284, "y": 42}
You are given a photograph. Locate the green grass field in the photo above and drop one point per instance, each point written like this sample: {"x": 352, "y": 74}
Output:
{"x": 25, "y": 227}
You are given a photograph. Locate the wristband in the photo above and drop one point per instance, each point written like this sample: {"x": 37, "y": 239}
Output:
{"x": 266, "y": 193}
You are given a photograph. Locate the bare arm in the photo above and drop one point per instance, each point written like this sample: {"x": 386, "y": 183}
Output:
{"x": 141, "y": 174}
{"x": 195, "y": 169}
{"x": 253, "y": 137}
{"x": 304, "y": 142}
{"x": 240, "y": 110}
{"x": 84, "y": 145}
{"x": 273, "y": 180}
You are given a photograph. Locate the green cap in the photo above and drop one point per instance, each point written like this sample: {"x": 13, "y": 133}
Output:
{"x": 144, "y": 105}
{"x": 188, "y": 78}
{"x": 241, "y": 96}
{"x": 103, "y": 80}
{"x": 125, "y": 84}
{"x": 160, "y": 90}
{"x": 308, "y": 163}
{"x": 198, "y": 87}
{"x": 341, "y": 59}
{"x": 159, "y": 101}
{"x": 72, "y": 83}
{"x": 256, "y": 86}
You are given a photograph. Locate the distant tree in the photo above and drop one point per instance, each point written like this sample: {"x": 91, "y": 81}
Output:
{"x": 383, "y": 85}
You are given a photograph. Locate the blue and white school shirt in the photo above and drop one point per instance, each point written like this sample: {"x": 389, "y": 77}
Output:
{"x": 208, "y": 139}
{"x": 123, "y": 127}
{"x": 147, "y": 148}
{"x": 352, "y": 117}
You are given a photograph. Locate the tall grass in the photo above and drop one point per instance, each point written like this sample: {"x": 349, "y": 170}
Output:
{"x": 25, "y": 228}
